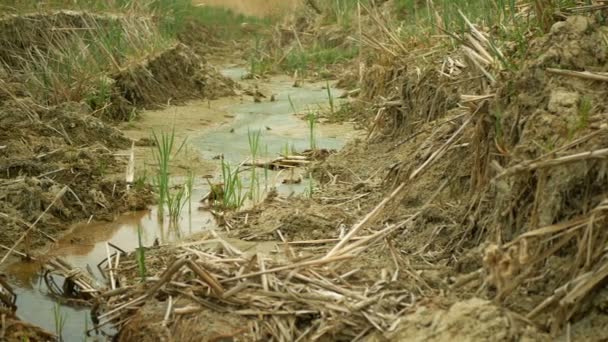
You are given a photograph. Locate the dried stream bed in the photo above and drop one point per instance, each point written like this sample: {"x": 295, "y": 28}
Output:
{"x": 212, "y": 128}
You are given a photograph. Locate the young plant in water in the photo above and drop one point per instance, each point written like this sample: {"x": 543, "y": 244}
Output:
{"x": 59, "y": 319}
{"x": 86, "y": 327}
{"x": 311, "y": 120}
{"x": 176, "y": 200}
{"x": 140, "y": 255}
{"x": 163, "y": 154}
{"x": 285, "y": 150}
{"x": 233, "y": 187}
{"x": 254, "y": 146}
{"x": 189, "y": 186}
{"x": 330, "y": 98}
{"x": 254, "y": 143}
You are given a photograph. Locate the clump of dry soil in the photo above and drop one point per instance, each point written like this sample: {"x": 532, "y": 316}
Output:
{"x": 173, "y": 76}
{"x": 45, "y": 150}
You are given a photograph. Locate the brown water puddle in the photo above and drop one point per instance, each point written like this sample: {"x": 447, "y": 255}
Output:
{"x": 85, "y": 244}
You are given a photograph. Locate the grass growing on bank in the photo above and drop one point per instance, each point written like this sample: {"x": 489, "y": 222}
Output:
{"x": 426, "y": 23}
{"x": 225, "y": 23}
{"x": 58, "y": 66}
{"x": 317, "y": 57}
{"x": 76, "y": 62}
{"x": 173, "y": 16}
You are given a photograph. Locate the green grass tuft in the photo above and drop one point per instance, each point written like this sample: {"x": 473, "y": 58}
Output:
{"x": 234, "y": 197}
{"x": 165, "y": 150}
{"x": 59, "y": 319}
{"x": 311, "y": 120}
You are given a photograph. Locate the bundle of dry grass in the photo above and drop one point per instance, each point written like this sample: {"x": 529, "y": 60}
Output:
{"x": 289, "y": 296}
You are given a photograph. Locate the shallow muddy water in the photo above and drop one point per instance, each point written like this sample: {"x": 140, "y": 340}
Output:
{"x": 275, "y": 119}
{"x": 224, "y": 132}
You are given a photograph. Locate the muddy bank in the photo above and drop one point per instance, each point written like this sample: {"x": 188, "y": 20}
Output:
{"x": 57, "y": 168}
{"x": 481, "y": 213}
{"x": 116, "y": 64}
{"x": 509, "y": 220}
{"x": 175, "y": 75}
{"x": 61, "y": 158}
{"x": 473, "y": 209}
{"x": 206, "y": 126}
{"x": 16, "y": 330}
{"x": 65, "y": 153}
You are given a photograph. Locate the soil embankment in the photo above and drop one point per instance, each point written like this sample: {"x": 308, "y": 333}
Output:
{"x": 62, "y": 158}
{"x": 473, "y": 210}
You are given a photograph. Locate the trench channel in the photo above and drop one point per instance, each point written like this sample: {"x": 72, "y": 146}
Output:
{"x": 84, "y": 246}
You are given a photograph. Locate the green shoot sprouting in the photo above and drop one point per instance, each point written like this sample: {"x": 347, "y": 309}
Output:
{"x": 175, "y": 202}
{"x": 285, "y": 151}
{"x": 59, "y": 318}
{"x": 584, "y": 112}
{"x": 233, "y": 187}
{"x": 140, "y": 255}
{"x": 254, "y": 147}
{"x": 254, "y": 143}
{"x": 86, "y": 327}
{"x": 581, "y": 121}
{"x": 330, "y": 98}
{"x": 311, "y": 119}
{"x": 163, "y": 154}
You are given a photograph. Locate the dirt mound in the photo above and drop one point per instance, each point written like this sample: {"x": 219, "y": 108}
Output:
{"x": 521, "y": 175}
{"x": 539, "y": 193}
{"x": 206, "y": 325}
{"x": 204, "y": 40}
{"x": 116, "y": 64}
{"x": 551, "y": 108}
{"x": 299, "y": 219}
{"x": 13, "y": 329}
{"x": 56, "y": 168}
{"x": 471, "y": 320}
{"x": 175, "y": 75}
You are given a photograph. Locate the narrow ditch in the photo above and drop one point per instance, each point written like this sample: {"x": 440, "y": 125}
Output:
{"x": 85, "y": 245}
